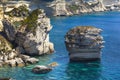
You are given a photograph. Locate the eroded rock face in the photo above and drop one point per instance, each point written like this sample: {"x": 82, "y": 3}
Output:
{"x": 84, "y": 43}
{"x": 59, "y": 8}
{"x": 35, "y": 37}
{"x": 9, "y": 30}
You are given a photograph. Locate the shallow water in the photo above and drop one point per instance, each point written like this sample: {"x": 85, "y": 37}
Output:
{"x": 107, "y": 69}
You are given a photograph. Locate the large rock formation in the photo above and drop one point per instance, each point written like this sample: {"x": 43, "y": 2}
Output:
{"x": 84, "y": 43}
{"x": 34, "y": 39}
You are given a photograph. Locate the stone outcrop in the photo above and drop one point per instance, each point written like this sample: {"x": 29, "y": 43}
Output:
{"x": 34, "y": 39}
{"x": 40, "y": 69}
{"x": 84, "y": 43}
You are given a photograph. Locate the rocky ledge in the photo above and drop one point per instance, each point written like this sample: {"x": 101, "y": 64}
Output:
{"x": 84, "y": 43}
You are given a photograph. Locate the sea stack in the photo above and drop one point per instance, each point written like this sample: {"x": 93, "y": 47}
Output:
{"x": 84, "y": 43}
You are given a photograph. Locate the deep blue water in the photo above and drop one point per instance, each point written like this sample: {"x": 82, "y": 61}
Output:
{"x": 107, "y": 69}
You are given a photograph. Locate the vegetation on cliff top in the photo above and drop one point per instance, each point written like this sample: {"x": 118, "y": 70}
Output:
{"x": 73, "y": 7}
{"x": 80, "y": 29}
{"x": 31, "y": 20}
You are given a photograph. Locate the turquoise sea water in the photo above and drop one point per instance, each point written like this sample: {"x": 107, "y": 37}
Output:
{"x": 106, "y": 69}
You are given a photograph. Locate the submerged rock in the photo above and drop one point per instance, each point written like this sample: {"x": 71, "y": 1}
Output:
{"x": 40, "y": 69}
{"x": 53, "y": 64}
{"x": 84, "y": 43}
{"x": 5, "y": 79}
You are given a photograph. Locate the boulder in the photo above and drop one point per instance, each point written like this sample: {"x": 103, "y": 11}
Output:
{"x": 84, "y": 43}
{"x": 11, "y": 63}
{"x": 19, "y": 62}
{"x": 31, "y": 60}
{"x": 40, "y": 69}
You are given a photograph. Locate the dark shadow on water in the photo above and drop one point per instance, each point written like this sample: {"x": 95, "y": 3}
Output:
{"x": 84, "y": 71}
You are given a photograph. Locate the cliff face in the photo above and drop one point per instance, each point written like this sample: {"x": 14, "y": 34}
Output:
{"x": 84, "y": 43}
{"x": 112, "y": 4}
{"x": 31, "y": 38}
{"x": 61, "y": 7}
{"x": 35, "y": 37}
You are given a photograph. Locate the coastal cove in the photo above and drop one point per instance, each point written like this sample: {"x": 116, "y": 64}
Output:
{"x": 107, "y": 69}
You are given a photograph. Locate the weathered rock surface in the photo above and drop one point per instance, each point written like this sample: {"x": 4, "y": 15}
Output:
{"x": 40, "y": 69}
{"x": 1, "y": 26}
{"x": 35, "y": 37}
{"x": 84, "y": 43}
{"x": 59, "y": 8}
{"x": 9, "y": 30}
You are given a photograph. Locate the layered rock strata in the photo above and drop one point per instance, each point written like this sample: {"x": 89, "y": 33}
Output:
{"x": 84, "y": 43}
{"x": 63, "y": 8}
{"x": 59, "y": 8}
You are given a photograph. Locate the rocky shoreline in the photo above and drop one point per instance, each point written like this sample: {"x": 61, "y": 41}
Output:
{"x": 27, "y": 32}
{"x": 29, "y": 38}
